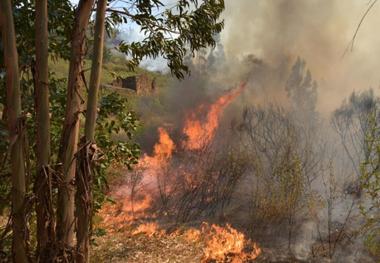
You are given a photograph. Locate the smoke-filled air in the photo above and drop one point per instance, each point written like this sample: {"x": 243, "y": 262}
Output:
{"x": 190, "y": 131}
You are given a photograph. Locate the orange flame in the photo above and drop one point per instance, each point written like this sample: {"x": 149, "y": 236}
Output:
{"x": 123, "y": 213}
{"x": 129, "y": 209}
{"x": 192, "y": 235}
{"x": 199, "y": 134}
{"x": 165, "y": 146}
{"x": 153, "y": 165}
{"x": 163, "y": 151}
{"x": 223, "y": 243}
{"x": 149, "y": 229}
{"x": 219, "y": 242}
{"x": 138, "y": 207}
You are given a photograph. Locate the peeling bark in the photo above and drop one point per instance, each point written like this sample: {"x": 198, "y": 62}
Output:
{"x": 88, "y": 152}
{"x": 70, "y": 134}
{"x": 42, "y": 186}
{"x": 16, "y": 126}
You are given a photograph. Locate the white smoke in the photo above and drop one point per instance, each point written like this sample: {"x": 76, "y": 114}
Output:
{"x": 318, "y": 31}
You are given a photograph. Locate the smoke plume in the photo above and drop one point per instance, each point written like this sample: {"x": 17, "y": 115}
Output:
{"x": 319, "y": 31}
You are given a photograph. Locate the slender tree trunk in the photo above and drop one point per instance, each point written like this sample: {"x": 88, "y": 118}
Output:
{"x": 3, "y": 155}
{"x": 16, "y": 133}
{"x": 96, "y": 71}
{"x": 42, "y": 187}
{"x": 69, "y": 140}
{"x": 88, "y": 150}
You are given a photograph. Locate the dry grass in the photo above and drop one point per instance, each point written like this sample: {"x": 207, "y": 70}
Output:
{"x": 127, "y": 248}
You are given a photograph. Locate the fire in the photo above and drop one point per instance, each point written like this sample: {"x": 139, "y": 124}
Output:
{"x": 220, "y": 244}
{"x": 136, "y": 196}
{"x": 151, "y": 166}
{"x": 133, "y": 204}
{"x": 223, "y": 243}
{"x": 136, "y": 208}
{"x": 163, "y": 151}
{"x": 148, "y": 229}
{"x": 193, "y": 235}
{"x": 124, "y": 213}
{"x": 165, "y": 146}
{"x": 200, "y": 134}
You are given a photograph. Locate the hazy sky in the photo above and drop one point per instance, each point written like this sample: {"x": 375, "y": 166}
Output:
{"x": 317, "y": 30}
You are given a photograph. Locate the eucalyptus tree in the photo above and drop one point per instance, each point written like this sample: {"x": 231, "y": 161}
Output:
{"x": 30, "y": 36}
{"x": 43, "y": 182}
{"x": 70, "y": 132}
{"x": 54, "y": 29}
{"x": 16, "y": 129}
{"x": 88, "y": 149}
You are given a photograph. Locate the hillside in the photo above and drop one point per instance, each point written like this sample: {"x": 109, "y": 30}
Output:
{"x": 116, "y": 66}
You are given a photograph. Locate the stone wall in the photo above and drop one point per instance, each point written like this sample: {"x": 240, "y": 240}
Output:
{"x": 141, "y": 84}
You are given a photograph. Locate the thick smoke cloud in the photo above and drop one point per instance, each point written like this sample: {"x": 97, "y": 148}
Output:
{"x": 318, "y": 31}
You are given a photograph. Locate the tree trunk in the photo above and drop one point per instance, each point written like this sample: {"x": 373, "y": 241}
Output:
{"x": 88, "y": 149}
{"x": 42, "y": 187}
{"x": 70, "y": 133}
{"x": 16, "y": 134}
{"x": 96, "y": 71}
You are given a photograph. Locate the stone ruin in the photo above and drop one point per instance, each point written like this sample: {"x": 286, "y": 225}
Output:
{"x": 141, "y": 84}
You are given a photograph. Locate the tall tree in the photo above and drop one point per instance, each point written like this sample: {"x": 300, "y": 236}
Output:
{"x": 88, "y": 148}
{"x": 43, "y": 190}
{"x": 302, "y": 92}
{"x": 352, "y": 122}
{"x": 70, "y": 133}
{"x": 16, "y": 126}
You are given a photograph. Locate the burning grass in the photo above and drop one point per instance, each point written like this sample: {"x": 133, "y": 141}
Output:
{"x": 185, "y": 190}
{"x": 226, "y": 244}
{"x": 147, "y": 243}
{"x": 149, "y": 229}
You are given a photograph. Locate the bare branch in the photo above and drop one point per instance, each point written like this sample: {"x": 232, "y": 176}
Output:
{"x": 350, "y": 46}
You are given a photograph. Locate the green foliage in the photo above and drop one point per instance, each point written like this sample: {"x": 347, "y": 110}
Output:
{"x": 291, "y": 182}
{"x": 116, "y": 66}
{"x": 61, "y": 17}
{"x": 372, "y": 242}
{"x": 114, "y": 118}
{"x": 57, "y": 88}
{"x": 278, "y": 159}
{"x": 171, "y": 32}
{"x": 283, "y": 195}
{"x": 370, "y": 179}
